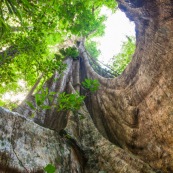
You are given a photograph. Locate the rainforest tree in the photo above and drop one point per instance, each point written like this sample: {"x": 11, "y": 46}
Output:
{"x": 133, "y": 110}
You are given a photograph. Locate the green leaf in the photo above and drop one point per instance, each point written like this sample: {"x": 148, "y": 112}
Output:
{"x": 37, "y": 99}
{"x": 50, "y": 168}
{"x": 46, "y": 107}
{"x": 27, "y": 4}
{"x": 52, "y": 93}
{"x": 9, "y": 7}
{"x": 50, "y": 97}
{"x": 30, "y": 105}
{"x": 71, "y": 102}
{"x": 91, "y": 84}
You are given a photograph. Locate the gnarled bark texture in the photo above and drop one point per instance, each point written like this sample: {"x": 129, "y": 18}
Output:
{"x": 27, "y": 147}
{"x": 133, "y": 111}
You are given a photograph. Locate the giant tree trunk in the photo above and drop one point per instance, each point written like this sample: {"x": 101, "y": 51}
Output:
{"x": 136, "y": 107}
{"x": 133, "y": 111}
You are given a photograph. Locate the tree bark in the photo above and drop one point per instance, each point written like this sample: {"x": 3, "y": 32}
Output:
{"x": 79, "y": 148}
{"x": 134, "y": 110}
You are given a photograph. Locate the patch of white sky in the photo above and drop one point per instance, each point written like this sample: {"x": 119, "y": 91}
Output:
{"x": 118, "y": 27}
{"x": 13, "y": 97}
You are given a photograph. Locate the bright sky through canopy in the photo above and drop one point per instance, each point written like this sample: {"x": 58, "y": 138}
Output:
{"x": 118, "y": 26}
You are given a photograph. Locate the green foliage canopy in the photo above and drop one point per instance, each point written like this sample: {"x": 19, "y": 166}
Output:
{"x": 120, "y": 61}
{"x": 29, "y": 28}
{"x": 91, "y": 47}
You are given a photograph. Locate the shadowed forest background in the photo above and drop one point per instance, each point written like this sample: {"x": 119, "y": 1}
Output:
{"x": 80, "y": 116}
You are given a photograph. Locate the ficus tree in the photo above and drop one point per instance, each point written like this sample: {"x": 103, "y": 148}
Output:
{"x": 132, "y": 112}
